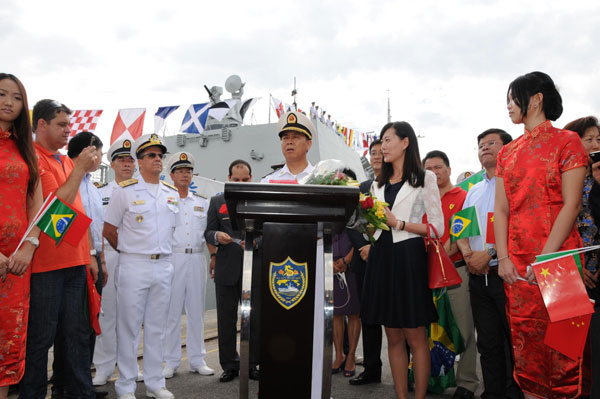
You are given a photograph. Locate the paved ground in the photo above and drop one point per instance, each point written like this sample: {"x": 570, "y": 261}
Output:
{"x": 185, "y": 385}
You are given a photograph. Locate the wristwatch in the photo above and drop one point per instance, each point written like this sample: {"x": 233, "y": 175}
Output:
{"x": 34, "y": 241}
{"x": 492, "y": 252}
{"x": 93, "y": 252}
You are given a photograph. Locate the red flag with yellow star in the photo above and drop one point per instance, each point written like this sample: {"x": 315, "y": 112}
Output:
{"x": 568, "y": 336}
{"x": 562, "y": 289}
{"x": 490, "y": 238}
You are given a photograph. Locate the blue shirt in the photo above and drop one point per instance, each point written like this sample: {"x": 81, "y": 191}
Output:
{"x": 92, "y": 204}
{"x": 483, "y": 196}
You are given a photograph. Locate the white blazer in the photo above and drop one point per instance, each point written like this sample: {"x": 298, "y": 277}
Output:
{"x": 412, "y": 203}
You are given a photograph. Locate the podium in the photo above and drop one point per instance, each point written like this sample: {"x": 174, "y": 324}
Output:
{"x": 295, "y": 224}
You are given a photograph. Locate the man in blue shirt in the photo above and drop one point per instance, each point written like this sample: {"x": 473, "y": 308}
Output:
{"x": 486, "y": 287}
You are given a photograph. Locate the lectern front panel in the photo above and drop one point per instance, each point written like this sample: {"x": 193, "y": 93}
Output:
{"x": 287, "y": 310}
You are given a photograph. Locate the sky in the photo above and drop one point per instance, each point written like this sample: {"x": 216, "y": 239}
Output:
{"x": 446, "y": 64}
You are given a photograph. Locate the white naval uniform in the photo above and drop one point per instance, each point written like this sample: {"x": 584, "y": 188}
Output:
{"x": 105, "y": 352}
{"x": 146, "y": 218}
{"x": 188, "y": 288}
{"x": 284, "y": 174}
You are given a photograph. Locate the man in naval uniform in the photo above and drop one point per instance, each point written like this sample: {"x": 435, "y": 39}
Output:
{"x": 296, "y": 132}
{"x": 139, "y": 222}
{"x": 105, "y": 352}
{"x": 188, "y": 289}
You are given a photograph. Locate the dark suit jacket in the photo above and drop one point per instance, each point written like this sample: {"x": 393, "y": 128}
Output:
{"x": 228, "y": 266}
{"x": 359, "y": 241}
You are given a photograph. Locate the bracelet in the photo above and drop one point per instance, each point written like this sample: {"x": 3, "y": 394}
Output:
{"x": 211, "y": 255}
{"x": 398, "y": 225}
{"x": 344, "y": 260}
{"x": 504, "y": 257}
{"x": 403, "y": 225}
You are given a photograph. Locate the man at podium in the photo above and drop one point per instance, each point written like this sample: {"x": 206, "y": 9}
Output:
{"x": 296, "y": 132}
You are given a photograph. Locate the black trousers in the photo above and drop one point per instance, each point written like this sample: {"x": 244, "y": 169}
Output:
{"x": 493, "y": 336}
{"x": 228, "y": 299}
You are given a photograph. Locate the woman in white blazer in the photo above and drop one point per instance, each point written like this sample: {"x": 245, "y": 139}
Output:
{"x": 396, "y": 291}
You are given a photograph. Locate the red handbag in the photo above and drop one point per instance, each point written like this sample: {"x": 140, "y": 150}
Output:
{"x": 440, "y": 267}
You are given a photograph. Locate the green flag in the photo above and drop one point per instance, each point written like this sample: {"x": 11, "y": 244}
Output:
{"x": 56, "y": 220}
{"x": 445, "y": 342}
{"x": 464, "y": 224}
{"x": 471, "y": 181}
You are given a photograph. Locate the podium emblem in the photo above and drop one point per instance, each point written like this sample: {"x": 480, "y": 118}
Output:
{"x": 288, "y": 281}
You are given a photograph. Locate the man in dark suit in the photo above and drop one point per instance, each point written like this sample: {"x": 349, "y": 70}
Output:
{"x": 225, "y": 246}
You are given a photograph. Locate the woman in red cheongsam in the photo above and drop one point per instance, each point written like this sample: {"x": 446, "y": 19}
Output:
{"x": 538, "y": 197}
{"x": 20, "y": 199}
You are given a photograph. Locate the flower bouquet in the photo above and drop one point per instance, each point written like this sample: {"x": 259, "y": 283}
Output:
{"x": 370, "y": 212}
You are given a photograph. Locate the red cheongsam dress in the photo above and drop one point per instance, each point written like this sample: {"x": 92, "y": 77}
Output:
{"x": 531, "y": 167}
{"x": 14, "y": 292}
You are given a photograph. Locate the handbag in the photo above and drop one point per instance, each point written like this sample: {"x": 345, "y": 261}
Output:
{"x": 440, "y": 268}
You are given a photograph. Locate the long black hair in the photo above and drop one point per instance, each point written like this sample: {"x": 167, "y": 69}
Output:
{"x": 22, "y": 133}
{"x": 522, "y": 88}
{"x": 412, "y": 171}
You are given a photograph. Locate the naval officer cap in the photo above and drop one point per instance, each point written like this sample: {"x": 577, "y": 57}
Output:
{"x": 180, "y": 160}
{"x": 294, "y": 121}
{"x": 146, "y": 141}
{"x": 120, "y": 148}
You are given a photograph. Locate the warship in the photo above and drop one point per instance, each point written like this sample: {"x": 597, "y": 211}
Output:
{"x": 229, "y": 139}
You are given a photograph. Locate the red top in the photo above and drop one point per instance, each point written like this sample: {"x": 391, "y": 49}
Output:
{"x": 532, "y": 166}
{"x": 48, "y": 256}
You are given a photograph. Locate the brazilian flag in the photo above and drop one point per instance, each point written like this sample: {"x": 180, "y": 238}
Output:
{"x": 56, "y": 219}
{"x": 471, "y": 181}
{"x": 464, "y": 224}
{"x": 445, "y": 342}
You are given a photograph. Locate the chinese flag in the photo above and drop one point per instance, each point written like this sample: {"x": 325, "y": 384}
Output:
{"x": 490, "y": 238}
{"x": 562, "y": 289}
{"x": 568, "y": 336}
{"x": 93, "y": 303}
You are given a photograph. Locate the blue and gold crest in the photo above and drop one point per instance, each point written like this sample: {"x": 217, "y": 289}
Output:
{"x": 288, "y": 281}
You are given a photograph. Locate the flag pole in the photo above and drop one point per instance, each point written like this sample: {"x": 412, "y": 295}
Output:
{"x": 270, "y": 107}
{"x": 33, "y": 222}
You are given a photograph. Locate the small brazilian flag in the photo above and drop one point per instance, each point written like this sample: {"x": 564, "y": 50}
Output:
{"x": 471, "y": 181}
{"x": 56, "y": 219}
{"x": 464, "y": 224}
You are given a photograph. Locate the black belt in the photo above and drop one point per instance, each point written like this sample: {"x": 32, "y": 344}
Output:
{"x": 460, "y": 263}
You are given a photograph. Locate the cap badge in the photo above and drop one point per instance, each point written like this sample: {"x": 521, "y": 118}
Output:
{"x": 183, "y": 157}
{"x": 154, "y": 139}
{"x": 126, "y": 144}
{"x": 292, "y": 118}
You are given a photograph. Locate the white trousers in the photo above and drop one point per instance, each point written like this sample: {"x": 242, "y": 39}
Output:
{"x": 143, "y": 293}
{"x": 105, "y": 352}
{"x": 188, "y": 291}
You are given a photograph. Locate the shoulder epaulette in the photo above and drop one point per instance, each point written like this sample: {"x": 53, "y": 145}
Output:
{"x": 200, "y": 195}
{"x": 100, "y": 185}
{"x": 272, "y": 172}
{"x": 169, "y": 185}
{"x": 128, "y": 182}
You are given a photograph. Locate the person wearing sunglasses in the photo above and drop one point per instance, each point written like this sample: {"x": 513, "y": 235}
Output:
{"x": 139, "y": 223}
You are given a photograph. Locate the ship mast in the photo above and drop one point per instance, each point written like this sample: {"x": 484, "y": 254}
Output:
{"x": 294, "y": 92}
{"x": 389, "y": 115}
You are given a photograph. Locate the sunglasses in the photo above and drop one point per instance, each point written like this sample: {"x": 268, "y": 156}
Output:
{"x": 153, "y": 155}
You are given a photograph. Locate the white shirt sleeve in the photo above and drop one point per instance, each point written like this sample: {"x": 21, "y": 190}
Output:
{"x": 116, "y": 207}
{"x": 433, "y": 204}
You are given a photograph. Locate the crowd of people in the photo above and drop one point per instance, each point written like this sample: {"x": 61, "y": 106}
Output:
{"x": 543, "y": 189}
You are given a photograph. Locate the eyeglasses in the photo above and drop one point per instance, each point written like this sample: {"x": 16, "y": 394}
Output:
{"x": 488, "y": 144}
{"x": 153, "y": 155}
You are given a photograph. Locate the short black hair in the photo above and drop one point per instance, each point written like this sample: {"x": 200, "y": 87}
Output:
{"x": 505, "y": 137}
{"x": 239, "y": 162}
{"x": 580, "y": 125}
{"x": 374, "y": 143}
{"x": 81, "y": 141}
{"x": 522, "y": 88}
{"x": 47, "y": 110}
{"x": 437, "y": 154}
